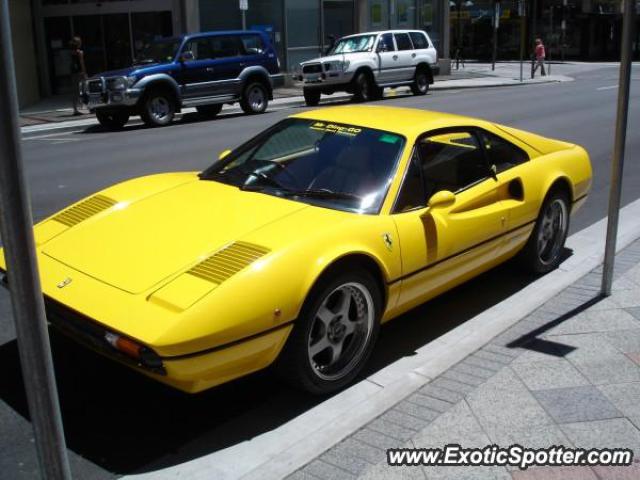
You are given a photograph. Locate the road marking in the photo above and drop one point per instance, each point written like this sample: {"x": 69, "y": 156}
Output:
{"x": 609, "y": 87}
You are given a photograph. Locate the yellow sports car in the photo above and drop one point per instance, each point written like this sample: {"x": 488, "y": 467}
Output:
{"x": 294, "y": 247}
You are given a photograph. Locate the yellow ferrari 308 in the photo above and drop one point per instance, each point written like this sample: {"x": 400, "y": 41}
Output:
{"x": 292, "y": 249}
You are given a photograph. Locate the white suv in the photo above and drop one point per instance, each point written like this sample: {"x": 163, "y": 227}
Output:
{"x": 366, "y": 63}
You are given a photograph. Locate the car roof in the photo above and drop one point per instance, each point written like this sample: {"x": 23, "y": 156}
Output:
{"x": 409, "y": 122}
{"x": 384, "y": 31}
{"x": 222, "y": 32}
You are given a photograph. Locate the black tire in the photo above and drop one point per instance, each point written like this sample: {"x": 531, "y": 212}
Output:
{"x": 209, "y": 111}
{"x": 255, "y": 98}
{"x": 112, "y": 120}
{"x": 362, "y": 87}
{"x": 420, "y": 85}
{"x": 311, "y": 96}
{"x": 538, "y": 256}
{"x": 297, "y": 365}
{"x": 158, "y": 108}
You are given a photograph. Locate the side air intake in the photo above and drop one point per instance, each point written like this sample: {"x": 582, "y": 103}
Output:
{"x": 83, "y": 210}
{"x": 227, "y": 262}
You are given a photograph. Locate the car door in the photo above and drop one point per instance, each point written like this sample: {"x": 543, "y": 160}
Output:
{"x": 387, "y": 59}
{"x": 406, "y": 57}
{"x": 443, "y": 244}
{"x": 229, "y": 62}
{"x": 196, "y": 74}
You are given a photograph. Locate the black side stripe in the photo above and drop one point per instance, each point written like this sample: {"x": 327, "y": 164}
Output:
{"x": 466, "y": 250}
{"x": 580, "y": 198}
{"x": 230, "y": 344}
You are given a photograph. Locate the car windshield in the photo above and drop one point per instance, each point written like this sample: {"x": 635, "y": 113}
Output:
{"x": 344, "y": 167}
{"x": 158, "y": 51}
{"x": 360, "y": 43}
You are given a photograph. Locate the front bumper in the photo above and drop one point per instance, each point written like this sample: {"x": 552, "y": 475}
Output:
{"x": 95, "y": 94}
{"x": 325, "y": 79}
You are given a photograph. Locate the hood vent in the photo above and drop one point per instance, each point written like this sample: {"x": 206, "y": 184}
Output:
{"x": 83, "y": 210}
{"x": 227, "y": 262}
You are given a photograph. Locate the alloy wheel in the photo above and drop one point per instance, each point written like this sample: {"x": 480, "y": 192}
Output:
{"x": 552, "y": 231}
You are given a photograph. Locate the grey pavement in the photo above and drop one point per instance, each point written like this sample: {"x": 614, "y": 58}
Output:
{"x": 567, "y": 374}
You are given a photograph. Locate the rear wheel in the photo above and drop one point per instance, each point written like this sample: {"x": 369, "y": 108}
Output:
{"x": 311, "y": 97}
{"x": 420, "y": 85}
{"x": 158, "y": 108}
{"x": 543, "y": 250}
{"x": 209, "y": 110}
{"x": 112, "y": 120}
{"x": 255, "y": 98}
{"x": 334, "y": 335}
{"x": 362, "y": 87}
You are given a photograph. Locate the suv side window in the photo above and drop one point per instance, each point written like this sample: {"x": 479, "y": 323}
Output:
{"x": 451, "y": 161}
{"x": 501, "y": 153}
{"x": 225, "y": 46}
{"x": 419, "y": 40}
{"x": 403, "y": 41}
{"x": 387, "y": 40}
{"x": 201, "y": 48}
{"x": 252, "y": 44}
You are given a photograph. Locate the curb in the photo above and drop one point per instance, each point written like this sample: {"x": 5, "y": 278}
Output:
{"x": 282, "y": 451}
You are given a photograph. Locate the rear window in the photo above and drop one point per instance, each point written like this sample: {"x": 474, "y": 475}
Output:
{"x": 403, "y": 41}
{"x": 419, "y": 40}
{"x": 252, "y": 44}
{"x": 225, "y": 46}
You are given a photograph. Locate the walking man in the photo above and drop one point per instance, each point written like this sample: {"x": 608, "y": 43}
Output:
{"x": 539, "y": 56}
{"x": 78, "y": 71}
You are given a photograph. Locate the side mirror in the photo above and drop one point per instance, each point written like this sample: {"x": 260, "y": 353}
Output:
{"x": 442, "y": 199}
{"x": 224, "y": 154}
{"x": 187, "y": 56}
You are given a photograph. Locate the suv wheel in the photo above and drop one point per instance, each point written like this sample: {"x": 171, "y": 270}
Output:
{"x": 112, "y": 120}
{"x": 311, "y": 96}
{"x": 362, "y": 88}
{"x": 420, "y": 85}
{"x": 158, "y": 109}
{"x": 209, "y": 110}
{"x": 255, "y": 98}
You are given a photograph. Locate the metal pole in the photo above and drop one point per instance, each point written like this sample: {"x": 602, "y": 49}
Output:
{"x": 24, "y": 282}
{"x": 617, "y": 162}
{"x": 496, "y": 23}
{"x": 244, "y": 20}
{"x": 522, "y": 10}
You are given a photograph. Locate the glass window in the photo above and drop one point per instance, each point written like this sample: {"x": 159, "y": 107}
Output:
{"x": 403, "y": 41}
{"x": 225, "y": 46}
{"x": 502, "y": 153}
{"x": 159, "y": 51}
{"x": 386, "y": 39}
{"x": 451, "y": 161}
{"x": 419, "y": 40}
{"x": 412, "y": 194}
{"x": 360, "y": 43}
{"x": 345, "y": 167}
{"x": 201, "y": 48}
{"x": 252, "y": 44}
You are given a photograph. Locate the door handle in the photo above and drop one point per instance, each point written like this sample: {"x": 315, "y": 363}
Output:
{"x": 413, "y": 55}
{"x": 209, "y": 69}
{"x": 395, "y": 57}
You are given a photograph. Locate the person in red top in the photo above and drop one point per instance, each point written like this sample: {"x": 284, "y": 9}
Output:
{"x": 540, "y": 56}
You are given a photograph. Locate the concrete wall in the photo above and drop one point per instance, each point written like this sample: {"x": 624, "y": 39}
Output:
{"x": 23, "y": 51}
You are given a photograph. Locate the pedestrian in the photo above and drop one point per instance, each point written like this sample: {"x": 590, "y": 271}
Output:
{"x": 539, "y": 58}
{"x": 78, "y": 71}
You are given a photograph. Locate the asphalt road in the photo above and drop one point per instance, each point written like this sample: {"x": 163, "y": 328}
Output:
{"x": 119, "y": 422}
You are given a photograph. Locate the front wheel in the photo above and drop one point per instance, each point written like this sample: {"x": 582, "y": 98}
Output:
{"x": 113, "y": 120}
{"x": 420, "y": 85}
{"x": 543, "y": 251}
{"x": 334, "y": 335}
{"x": 158, "y": 109}
{"x": 362, "y": 88}
{"x": 311, "y": 97}
{"x": 255, "y": 98}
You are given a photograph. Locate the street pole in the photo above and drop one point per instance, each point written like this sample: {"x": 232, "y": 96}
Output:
{"x": 244, "y": 19}
{"x": 563, "y": 28}
{"x": 617, "y": 162}
{"x": 24, "y": 283}
{"x": 522, "y": 8}
{"x": 496, "y": 24}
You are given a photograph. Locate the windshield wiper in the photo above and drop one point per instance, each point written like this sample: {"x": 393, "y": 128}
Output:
{"x": 323, "y": 193}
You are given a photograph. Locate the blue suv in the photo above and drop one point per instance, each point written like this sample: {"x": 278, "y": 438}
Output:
{"x": 202, "y": 70}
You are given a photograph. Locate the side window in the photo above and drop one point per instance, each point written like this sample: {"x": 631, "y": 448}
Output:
{"x": 412, "y": 194}
{"x": 252, "y": 44}
{"x": 502, "y": 153}
{"x": 225, "y": 46}
{"x": 451, "y": 161}
{"x": 386, "y": 39}
{"x": 201, "y": 48}
{"x": 403, "y": 41}
{"x": 419, "y": 40}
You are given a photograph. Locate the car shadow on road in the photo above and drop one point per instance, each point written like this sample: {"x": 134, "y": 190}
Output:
{"x": 126, "y": 423}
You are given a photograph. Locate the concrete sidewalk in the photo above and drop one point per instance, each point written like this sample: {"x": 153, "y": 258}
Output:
{"x": 567, "y": 374}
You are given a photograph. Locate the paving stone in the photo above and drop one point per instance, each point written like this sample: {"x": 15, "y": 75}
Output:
{"x": 415, "y": 410}
{"x": 547, "y": 374}
{"x": 391, "y": 429}
{"x": 504, "y": 402}
{"x": 635, "y": 357}
{"x": 325, "y": 471}
{"x": 404, "y": 420}
{"x": 538, "y": 436}
{"x": 342, "y": 460}
{"x": 625, "y": 341}
{"x": 586, "y": 346}
{"x": 452, "y": 385}
{"x": 625, "y": 397}
{"x": 623, "y": 283}
{"x": 483, "y": 362}
{"x": 434, "y": 404}
{"x": 612, "y": 433}
{"x": 626, "y": 298}
{"x": 597, "y": 321}
{"x": 474, "y": 370}
{"x": 632, "y": 472}
{"x": 555, "y": 473}
{"x": 500, "y": 349}
{"x": 441, "y": 393}
{"x": 376, "y": 439}
{"x": 382, "y": 471}
{"x": 494, "y": 357}
{"x": 461, "y": 377}
{"x": 302, "y": 475}
{"x": 576, "y": 404}
{"x": 618, "y": 369}
{"x": 355, "y": 448}
{"x": 635, "y": 311}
